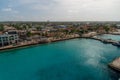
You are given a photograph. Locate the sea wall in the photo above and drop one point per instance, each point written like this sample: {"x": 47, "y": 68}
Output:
{"x": 38, "y": 41}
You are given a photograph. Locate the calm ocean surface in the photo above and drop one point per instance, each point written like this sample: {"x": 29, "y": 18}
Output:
{"x": 77, "y": 59}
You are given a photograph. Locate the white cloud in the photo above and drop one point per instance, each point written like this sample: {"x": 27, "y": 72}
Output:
{"x": 89, "y": 9}
{"x": 7, "y": 9}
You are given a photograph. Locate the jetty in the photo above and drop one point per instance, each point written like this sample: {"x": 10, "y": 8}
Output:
{"x": 115, "y": 64}
{"x": 107, "y": 41}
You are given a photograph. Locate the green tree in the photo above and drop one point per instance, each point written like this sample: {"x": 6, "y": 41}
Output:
{"x": 38, "y": 28}
{"x": 24, "y": 27}
{"x": 18, "y": 27}
{"x": 107, "y": 28}
{"x": 29, "y": 34}
{"x": 81, "y": 32}
{"x": 1, "y": 27}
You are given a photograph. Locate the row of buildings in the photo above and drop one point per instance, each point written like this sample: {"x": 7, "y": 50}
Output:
{"x": 12, "y": 36}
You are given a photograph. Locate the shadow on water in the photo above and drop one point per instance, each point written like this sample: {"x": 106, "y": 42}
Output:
{"x": 114, "y": 74}
{"x": 61, "y": 72}
{"x": 70, "y": 71}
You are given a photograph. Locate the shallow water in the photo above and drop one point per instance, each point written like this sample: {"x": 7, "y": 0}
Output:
{"x": 109, "y": 36}
{"x": 77, "y": 59}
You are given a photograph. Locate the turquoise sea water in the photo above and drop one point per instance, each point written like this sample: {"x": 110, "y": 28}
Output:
{"x": 109, "y": 36}
{"x": 77, "y": 59}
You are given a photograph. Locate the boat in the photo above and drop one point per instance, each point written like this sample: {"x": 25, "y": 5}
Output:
{"x": 105, "y": 42}
{"x": 116, "y": 44}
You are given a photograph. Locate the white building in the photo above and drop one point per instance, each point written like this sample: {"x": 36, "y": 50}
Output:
{"x": 7, "y": 39}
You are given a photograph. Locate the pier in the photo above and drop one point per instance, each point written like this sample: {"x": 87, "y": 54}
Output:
{"x": 107, "y": 41}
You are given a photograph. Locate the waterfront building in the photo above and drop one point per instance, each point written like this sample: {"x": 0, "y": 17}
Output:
{"x": 8, "y": 38}
{"x": 22, "y": 34}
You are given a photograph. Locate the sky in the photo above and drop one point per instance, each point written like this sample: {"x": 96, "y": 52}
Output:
{"x": 60, "y": 10}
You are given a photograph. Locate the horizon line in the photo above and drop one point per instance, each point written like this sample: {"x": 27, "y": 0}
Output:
{"x": 59, "y": 21}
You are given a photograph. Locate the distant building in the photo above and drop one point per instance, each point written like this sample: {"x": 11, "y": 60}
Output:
{"x": 118, "y": 25}
{"x": 45, "y": 30}
{"x": 10, "y": 32}
{"x": 22, "y": 34}
{"x": 61, "y": 26}
{"x": 7, "y": 28}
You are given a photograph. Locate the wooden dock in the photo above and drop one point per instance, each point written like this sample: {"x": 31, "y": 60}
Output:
{"x": 115, "y": 64}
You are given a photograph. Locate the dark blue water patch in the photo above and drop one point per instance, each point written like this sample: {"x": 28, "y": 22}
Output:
{"x": 77, "y": 59}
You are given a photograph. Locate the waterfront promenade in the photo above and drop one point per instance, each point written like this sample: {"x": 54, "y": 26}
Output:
{"x": 37, "y": 41}
{"x": 48, "y": 40}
